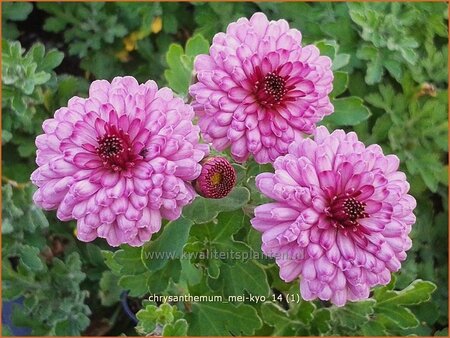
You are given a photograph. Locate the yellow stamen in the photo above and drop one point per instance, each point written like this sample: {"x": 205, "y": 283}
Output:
{"x": 216, "y": 178}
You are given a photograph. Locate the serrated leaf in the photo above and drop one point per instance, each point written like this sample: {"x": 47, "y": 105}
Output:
{"x": 169, "y": 245}
{"x": 374, "y": 71}
{"x": 222, "y": 228}
{"x": 136, "y": 284}
{"x": 320, "y": 325}
{"x": 244, "y": 276}
{"x": 180, "y": 62}
{"x": 16, "y": 11}
{"x": 51, "y": 60}
{"x": 177, "y": 329}
{"x": 348, "y": 111}
{"x": 304, "y": 310}
{"x": 401, "y": 316}
{"x": 279, "y": 319}
{"x": 340, "y": 83}
{"x": 197, "y": 45}
{"x": 109, "y": 289}
{"x": 147, "y": 319}
{"x": 29, "y": 256}
{"x": 177, "y": 76}
{"x": 417, "y": 292}
{"x": 373, "y": 328}
{"x": 154, "y": 317}
{"x": 110, "y": 262}
{"x": 222, "y": 319}
{"x": 204, "y": 210}
{"x": 354, "y": 315}
{"x": 130, "y": 260}
{"x": 54, "y": 25}
{"x": 159, "y": 281}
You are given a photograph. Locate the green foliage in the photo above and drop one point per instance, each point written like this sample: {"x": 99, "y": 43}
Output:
{"x": 423, "y": 117}
{"x": 348, "y": 111}
{"x": 21, "y": 220}
{"x": 29, "y": 269}
{"x": 86, "y": 26}
{"x": 393, "y": 34}
{"x": 164, "y": 319}
{"x": 203, "y": 210}
{"x": 64, "y": 313}
{"x": 220, "y": 319}
{"x": 13, "y": 12}
{"x": 171, "y": 240}
{"x": 390, "y": 86}
{"x": 181, "y": 62}
{"x": 23, "y": 80}
{"x": 387, "y": 313}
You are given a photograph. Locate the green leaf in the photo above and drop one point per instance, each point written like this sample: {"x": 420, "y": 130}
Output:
{"x": 221, "y": 229}
{"x": 159, "y": 281}
{"x": 180, "y": 62}
{"x": 401, "y": 316}
{"x": 330, "y": 49}
{"x": 354, "y": 315}
{"x": 244, "y": 276}
{"x": 147, "y": 319}
{"x": 394, "y": 67}
{"x": 6, "y": 136}
{"x": 340, "y": 61}
{"x": 373, "y": 328}
{"x": 16, "y": 11}
{"x": 110, "y": 262}
{"x": 196, "y": 45}
{"x": 204, "y": 210}
{"x": 340, "y": 83}
{"x": 109, "y": 289}
{"x": 168, "y": 246}
{"x": 130, "y": 260}
{"x": 222, "y": 319}
{"x": 409, "y": 55}
{"x": 279, "y": 319}
{"x": 177, "y": 329}
{"x": 52, "y": 60}
{"x": 152, "y": 317}
{"x": 326, "y": 48}
{"x": 304, "y": 310}
{"x": 320, "y": 325}
{"x": 442, "y": 333}
{"x": 136, "y": 285}
{"x": 190, "y": 273}
{"x": 73, "y": 326}
{"x": 54, "y": 25}
{"x": 417, "y": 292}
{"x": 177, "y": 76}
{"x": 374, "y": 71}
{"x": 348, "y": 111}
{"x": 29, "y": 256}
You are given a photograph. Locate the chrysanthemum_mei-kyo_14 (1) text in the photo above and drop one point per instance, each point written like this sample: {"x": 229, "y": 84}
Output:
{"x": 288, "y": 298}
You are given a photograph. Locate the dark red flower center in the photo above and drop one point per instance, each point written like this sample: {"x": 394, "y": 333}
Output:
{"x": 217, "y": 178}
{"x": 275, "y": 86}
{"x": 114, "y": 149}
{"x": 270, "y": 89}
{"x": 346, "y": 210}
{"x": 110, "y": 146}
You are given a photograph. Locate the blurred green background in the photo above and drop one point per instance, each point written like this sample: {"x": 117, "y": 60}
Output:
{"x": 391, "y": 79}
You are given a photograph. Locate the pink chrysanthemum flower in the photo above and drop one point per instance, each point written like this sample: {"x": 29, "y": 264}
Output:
{"x": 216, "y": 179}
{"x": 340, "y": 219}
{"x": 259, "y": 89}
{"x": 119, "y": 161}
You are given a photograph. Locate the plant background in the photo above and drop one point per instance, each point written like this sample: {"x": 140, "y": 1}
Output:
{"x": 390, "y": 65}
